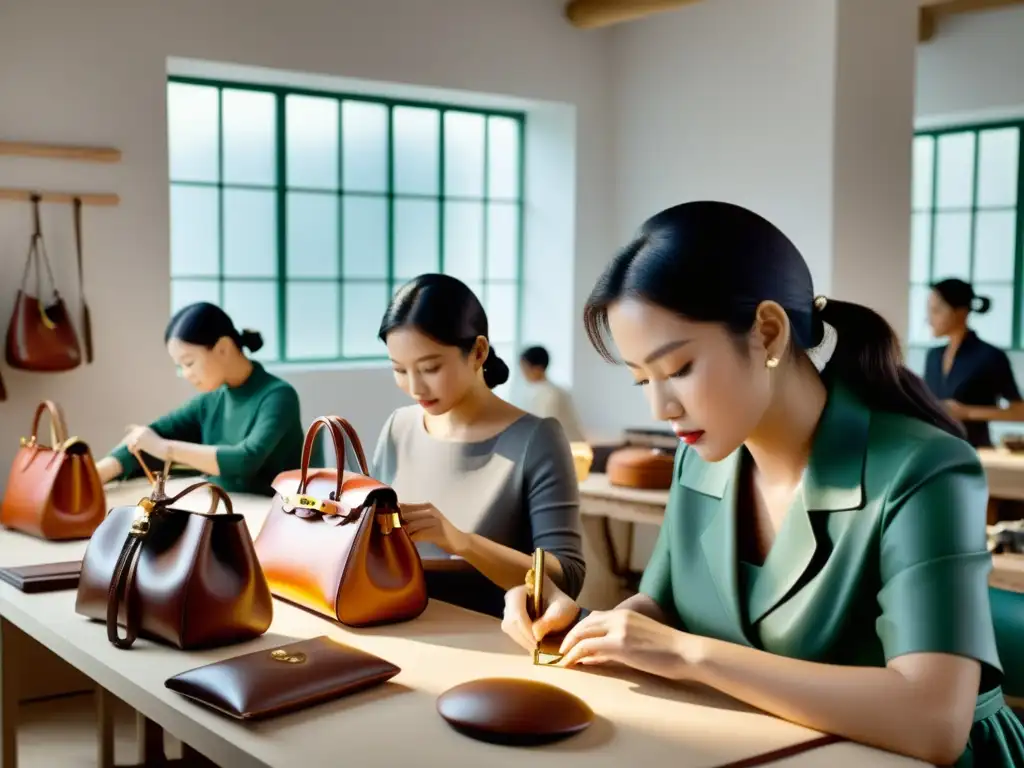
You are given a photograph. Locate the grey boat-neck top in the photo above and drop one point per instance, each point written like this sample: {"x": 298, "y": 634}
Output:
{"x": 517, "y": 488}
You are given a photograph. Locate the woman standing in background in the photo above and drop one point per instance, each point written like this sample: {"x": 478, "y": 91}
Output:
{"x": 243, "y": 427}
{"x": 476, "y": 477}
{"x": 969, "y": 375}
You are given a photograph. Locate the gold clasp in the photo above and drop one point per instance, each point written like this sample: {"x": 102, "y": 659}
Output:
{"x": 280, "y": 654}
{"x": 388, "y": 522}
{"x": 140, "y": 525}
{"x": 28, "y": 442}
{"x": 300, "y": 501}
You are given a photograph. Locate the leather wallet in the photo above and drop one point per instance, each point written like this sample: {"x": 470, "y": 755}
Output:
{"x": 45, "y": 577}
{"x": 272, "y": 682}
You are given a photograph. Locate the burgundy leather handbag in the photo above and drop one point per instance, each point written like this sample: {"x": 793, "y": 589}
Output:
{"x": 185, "y": 578}
{"x": 334, "y": 542}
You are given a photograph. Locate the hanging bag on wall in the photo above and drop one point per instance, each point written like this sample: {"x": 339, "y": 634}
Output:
{"x": 86, "y": 319}
{"x": 53, "y": 492}
{"x": 335, "y": 544}
{"x": 41, "y": 336}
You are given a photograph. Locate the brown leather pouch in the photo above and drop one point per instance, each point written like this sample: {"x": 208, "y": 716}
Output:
{"x": 46, "y": 577}
{"x": 272, "y": 682}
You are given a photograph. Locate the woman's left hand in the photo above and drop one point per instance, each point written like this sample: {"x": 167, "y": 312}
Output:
{"x": 424, "y": 522}
{"x": 629, "y": 638}
{"x": 146, "y": 440}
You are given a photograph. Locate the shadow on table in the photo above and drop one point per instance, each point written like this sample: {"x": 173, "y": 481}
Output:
{"x": 649, "y": 685}
{"x": 328, "y": 709}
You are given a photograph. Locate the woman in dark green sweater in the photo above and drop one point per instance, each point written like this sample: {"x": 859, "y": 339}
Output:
{"x": 241, "y": 430}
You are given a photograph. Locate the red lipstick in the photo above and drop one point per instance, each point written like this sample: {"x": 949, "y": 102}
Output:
{"x": 690, "y": 437}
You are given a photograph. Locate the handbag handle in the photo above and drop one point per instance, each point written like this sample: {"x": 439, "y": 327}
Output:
{"x": 339, "y": 429}
{"x": 123, "y": 580}
{"x": 37, "y": 248}
{"x": 58, "y": 427}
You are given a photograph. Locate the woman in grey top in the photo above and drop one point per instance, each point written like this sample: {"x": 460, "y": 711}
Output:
{"x": 476, "y": 477}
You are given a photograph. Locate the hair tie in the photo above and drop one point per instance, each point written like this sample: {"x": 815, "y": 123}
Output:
{"x": 822, "y": 352}
{"x": 820, "y": 302}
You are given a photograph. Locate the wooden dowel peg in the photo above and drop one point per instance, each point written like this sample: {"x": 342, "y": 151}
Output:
{"x": 60, "y": 152}
{"x": 87, "y": 198}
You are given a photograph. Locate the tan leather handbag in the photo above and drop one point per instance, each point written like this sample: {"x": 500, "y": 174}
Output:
{"x": 334, "y": 542}
{"x": 54, "y": 491}
{"x": 186, "y": 578}
{"x": 41, "y": 336}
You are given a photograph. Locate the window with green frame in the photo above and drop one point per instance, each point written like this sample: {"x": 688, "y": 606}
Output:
{"x": 301, "y": 212}
{"x": 967, "y": 222}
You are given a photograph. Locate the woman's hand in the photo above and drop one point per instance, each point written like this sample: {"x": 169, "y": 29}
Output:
{"x": 424, "y": 522}
{"x": 957, "y": 410}
{"x": 630, "y": 638}
{"x": 145, "y": 440}
{"x": 560, "y": 613}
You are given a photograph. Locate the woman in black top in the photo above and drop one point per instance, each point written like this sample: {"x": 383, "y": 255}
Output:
{"x": 970, "y": 375}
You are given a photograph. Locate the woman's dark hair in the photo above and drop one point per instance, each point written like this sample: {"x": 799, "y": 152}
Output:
{"x": 716, "y": 262}
{"x": 204, "y": 324}
{"x": 961, "y": 295}
{"x": 446, "y": 310}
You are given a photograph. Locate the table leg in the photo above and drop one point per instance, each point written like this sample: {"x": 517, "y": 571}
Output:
{"x": 149, "y": 742}
{"x": 620, "y": 568}
{"x": 105, "y": 727}
{"x": 9, "y": 695}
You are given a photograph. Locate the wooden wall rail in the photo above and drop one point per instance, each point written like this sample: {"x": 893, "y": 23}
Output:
{"x": 60, "y": 152}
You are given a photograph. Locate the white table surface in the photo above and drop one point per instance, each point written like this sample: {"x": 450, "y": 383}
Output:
{"x": 638, "y": 717}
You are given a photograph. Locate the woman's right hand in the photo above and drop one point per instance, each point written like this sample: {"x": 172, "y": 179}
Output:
{"x": 559, "y": 615}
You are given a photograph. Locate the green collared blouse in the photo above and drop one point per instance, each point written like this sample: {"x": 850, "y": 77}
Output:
{"x": 881, "y": 554}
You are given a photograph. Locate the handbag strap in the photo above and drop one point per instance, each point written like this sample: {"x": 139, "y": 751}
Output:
{"x": 122, "y": 585}
{"x": 337, "y": 437}
{"x": 357, "y": 445}
{"x": 86, "y": 321}
{"x": 58, "y": 427}
{"x": 37, "y": 248}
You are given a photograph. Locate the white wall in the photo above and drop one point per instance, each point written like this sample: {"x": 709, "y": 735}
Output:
{"x": 94, "y": 73}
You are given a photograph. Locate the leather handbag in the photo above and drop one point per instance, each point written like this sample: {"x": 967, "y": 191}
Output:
{"x": 189, "y": 579}
{"x": 53, "y": 492}
{"x": 265, "y": 683}
{"x": 334, "y": 542}
{"x": 639, "y": 467}
{"x": 41, "y": 336}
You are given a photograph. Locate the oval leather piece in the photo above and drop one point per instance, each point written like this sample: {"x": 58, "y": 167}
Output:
{"x": 514, "y": 712}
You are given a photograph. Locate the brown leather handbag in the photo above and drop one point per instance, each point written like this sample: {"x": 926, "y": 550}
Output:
{"x": 54, "y": 491}
{"x": 186, "y": 578}
{"x": 334, "y": 542}
{"x": 41, "y": 336}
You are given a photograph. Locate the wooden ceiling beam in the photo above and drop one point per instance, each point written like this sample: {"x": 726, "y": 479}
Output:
{"x": 593, "y": 14}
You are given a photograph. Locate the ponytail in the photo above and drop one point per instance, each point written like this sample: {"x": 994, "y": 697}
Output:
{"x": 868, "y": 359}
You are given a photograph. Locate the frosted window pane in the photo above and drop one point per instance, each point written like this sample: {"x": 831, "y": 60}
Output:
{"x": 249, "y": 137}
{"x": 194, "y": 231}
{"x": 185, "y": 292}
{"x": 503, "y": 157}
{"x": 416, "y": 233}
{"x": 312, "y": 321}
{"x": 312, "y": 235}
{"x": 952, "y": 246}
{"x": 192, "y": 132}
{"x": 995, "y": 241}
{"x": 365, "y": 236}
{"x": 924, "y": 167}
{"x": 997, "y": 167}
{"x": 464, "y": 240}
{"x": 920, "y": 332}
{"x": 417, "y": 141}
{"x": 502, "y": 241}
{"x": 920, "y": 247}
{"x": 501, "y": 312}
{"x": 463, "y": 154}
{"x": 312, "y": 142}
{"x": 250, "y": 233}
{"x": 956, "y": 170}
{"x": 363, "y": 306}
{"x": 996, "y": 325}
{"x": 364, "y": 133}
{"x": 252, "y": 305}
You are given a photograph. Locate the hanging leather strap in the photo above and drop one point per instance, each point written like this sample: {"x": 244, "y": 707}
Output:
{"x": 122, "y": 584}
{"x": 86, "y": 320}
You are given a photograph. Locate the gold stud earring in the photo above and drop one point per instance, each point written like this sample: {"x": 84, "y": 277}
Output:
{"x": 771, "y": 362}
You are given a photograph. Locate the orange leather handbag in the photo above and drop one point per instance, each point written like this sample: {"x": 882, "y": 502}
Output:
{"x": 334, "y": 542}
{"x": 53, "y": 492}
{"x": 41, "y": 336}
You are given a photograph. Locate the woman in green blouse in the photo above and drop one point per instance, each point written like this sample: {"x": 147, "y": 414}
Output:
{"x": 241, "y": 430}
{"x": 823, "y": 554}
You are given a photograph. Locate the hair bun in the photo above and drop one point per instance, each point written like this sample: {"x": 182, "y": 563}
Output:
{"x": 251, "y": 340}
{"x": 495, "y": 370}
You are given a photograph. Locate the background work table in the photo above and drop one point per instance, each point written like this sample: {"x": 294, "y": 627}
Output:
{"x": 638, "y": 717}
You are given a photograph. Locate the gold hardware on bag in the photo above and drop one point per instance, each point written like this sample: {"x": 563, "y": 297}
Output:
{"x": 280, "y": 654}
{"x": 47, "y": 322}
{"x": 300, "y": 501}
{"x": 389, "y": 522}
{"x": 28, "y": 442}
